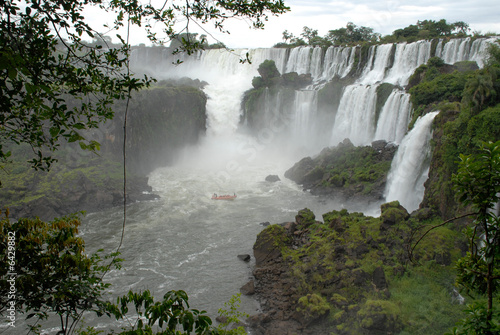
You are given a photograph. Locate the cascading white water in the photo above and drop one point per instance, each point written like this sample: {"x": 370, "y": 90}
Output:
{"x": 410, "y": 166}
{"x": 338, "y": 62}
{"x": 305, "y": 101}
{"x": 377, "y": 65}
{"x": 316, "y": 62}
{"x": 460, "y": 49}
{"x": 355, "y": 117}
{"x": 393, "y": 119}
{"x": 300, "y": 60}
{"x": 456, "y": 50}
{"x": 407, "y": 58}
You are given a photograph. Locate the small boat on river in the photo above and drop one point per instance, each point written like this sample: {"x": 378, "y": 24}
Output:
{"x": 223, "y": 197}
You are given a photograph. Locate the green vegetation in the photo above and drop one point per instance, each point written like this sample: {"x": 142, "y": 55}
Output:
{"x": 354, "y": 35}
{"x": 51, "y": 272}
{"x": 351, "y": 273}
{"x": 478, "y": 185}
{"x": 469, "y": 103}
{"x": 350, "y": 35}
{"x": 349, "y": 167}
{"x": 19, "y": 179}
{"x": 230, "y": 317}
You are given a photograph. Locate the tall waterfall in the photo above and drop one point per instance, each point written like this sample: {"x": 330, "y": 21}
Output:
{"x": 410, "y": 166}
{"x": 393, "y": 119}
{"x": 357, "y": 114}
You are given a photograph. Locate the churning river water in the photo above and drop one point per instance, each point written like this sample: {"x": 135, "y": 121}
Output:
{"x": 185, "y": 240}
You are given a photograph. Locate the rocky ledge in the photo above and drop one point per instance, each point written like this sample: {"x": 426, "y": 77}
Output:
{"x": 334, "y": 277}
{"x": 82, "y": 195}
{"x": 345, "y": 171}
{"x": 87, "y": 185}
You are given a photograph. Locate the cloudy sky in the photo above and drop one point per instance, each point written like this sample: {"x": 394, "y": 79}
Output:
{"x": 383, "y": 16}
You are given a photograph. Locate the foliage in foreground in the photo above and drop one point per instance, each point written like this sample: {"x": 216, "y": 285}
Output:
{"x": 50, "y": 272}
{"x": 478, "y": 185}
{"x": 44, "y": 272}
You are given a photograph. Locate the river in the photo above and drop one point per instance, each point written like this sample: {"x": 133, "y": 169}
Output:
{"x": 185, "y": 240}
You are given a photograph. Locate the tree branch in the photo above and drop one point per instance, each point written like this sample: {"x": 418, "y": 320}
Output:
{"x": 410, "y": 252}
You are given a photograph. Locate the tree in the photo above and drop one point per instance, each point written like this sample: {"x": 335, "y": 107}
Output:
{"x": 478, "y": 184}
{"x": 287, "y": 36}
{"x": 169, "y": 314}
{"x": 483, "y": 89}
{"x": 44, "y": 58}
{"x": 351, "y": 34}
{"x": 44, "y": 270}
{"x": 309, "y": 34}
{"x": 461, "y": 27}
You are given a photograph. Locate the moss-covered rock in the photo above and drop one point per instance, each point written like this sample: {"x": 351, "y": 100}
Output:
{"x": 313, "y": 306}
{"x": 91, "y": 183}
{"x": 393, "y": 213}
{"x": 379, "y": 317}
{"x": 346, "y": 171}
{"x": 161, "y": 121}
{"x": 305, "y": 218}
{"x": 349, "y": 280}
{"x": 269, "y": 244}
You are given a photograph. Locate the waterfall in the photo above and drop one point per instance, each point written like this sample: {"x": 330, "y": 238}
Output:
{"x": 305, "y": 101}
{"x": 456, "y": 50}
{"x": 356, "y": 114}
{"x": 406, "y": 59}
{"x": 316, "y": 62}
{"x": 378, "y": 64}
{"x": 338, "y": 62}
{"x": 410, "y": 166}
{"x": 393, "y": 119}
{"x": 460, "y": 49}
{"x": 300, "y": 60}
{"x": 299, "y": 121}
{"x": 355, "y": 117}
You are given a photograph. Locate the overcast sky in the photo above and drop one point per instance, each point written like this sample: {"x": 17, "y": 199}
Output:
{"x": 383, "y": 16}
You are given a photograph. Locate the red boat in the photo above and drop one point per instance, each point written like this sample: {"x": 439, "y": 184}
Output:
{"x": 223, "y": 197}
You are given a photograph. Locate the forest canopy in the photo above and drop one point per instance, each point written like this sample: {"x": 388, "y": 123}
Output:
{"x": 352, "y": 34}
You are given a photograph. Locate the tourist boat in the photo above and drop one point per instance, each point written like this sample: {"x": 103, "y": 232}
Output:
{"x": 223, "y": 197}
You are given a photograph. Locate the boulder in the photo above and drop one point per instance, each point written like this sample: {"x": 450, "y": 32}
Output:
{"x": 393, "y": 213}
{"x": 268, "y": 245}
{"x": 245, "y": 257}
{"x": 272, "y": 178}
{"x": 305, "y": 218}
{"x": 248, "y": 288}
